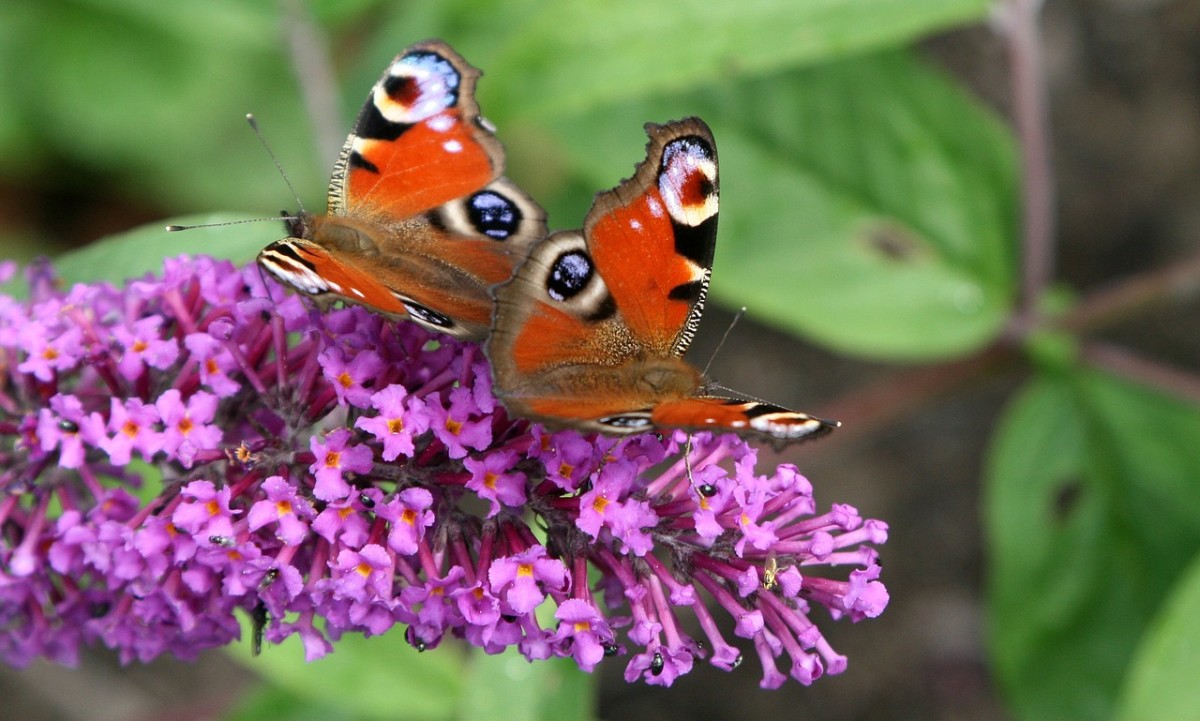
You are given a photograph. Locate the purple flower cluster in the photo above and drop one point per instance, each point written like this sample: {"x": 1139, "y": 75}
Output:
{"x": 193, "y": 444}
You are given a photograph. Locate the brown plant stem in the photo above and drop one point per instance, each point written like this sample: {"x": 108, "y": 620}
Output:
{"x": 891, "y": 400}
{"x": 1031, "y": 118}
{"x": 1179, "y": 282}
{"x": 883, "y": 403}
{"x": 1130, "y": 365}
{"x": 309, "y": 49}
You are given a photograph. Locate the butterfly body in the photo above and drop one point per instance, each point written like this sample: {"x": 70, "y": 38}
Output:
{"x": 420, "y": 222}
{"x": 591, "y": 330}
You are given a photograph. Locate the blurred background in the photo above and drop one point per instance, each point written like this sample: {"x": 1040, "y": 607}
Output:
{"x": 871, "y": 184}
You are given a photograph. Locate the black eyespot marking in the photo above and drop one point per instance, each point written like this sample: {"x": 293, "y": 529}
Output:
{"x": 493, "y": 215}
{"x": 690, "y": 182}
{"x": 569, "y": 275}
{"x": 425, "y": 315}
{"x": 403, "y": 89}
{"x": 428, "y": 65}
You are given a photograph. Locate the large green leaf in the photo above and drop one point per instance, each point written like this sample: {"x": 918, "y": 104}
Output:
{"x": 573, "y": 55}
{"x": 550, "y": 690}
{"x": 867, "y": 204}
{"x": 1162, "y": 683}
{"x": 371, "y": 678}
{"x": 142, "y": 250}
{"x": 1091, "y": 498}
{"x": 155, "y": 93}
{"x": 269, "y": 701}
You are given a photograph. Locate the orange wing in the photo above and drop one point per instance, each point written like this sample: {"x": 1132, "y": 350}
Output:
{"x": 419, "y": 141}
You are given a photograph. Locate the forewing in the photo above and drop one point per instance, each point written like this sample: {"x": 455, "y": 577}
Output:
{"x": 419, "y": 141}
{"x": 653, "y": 236}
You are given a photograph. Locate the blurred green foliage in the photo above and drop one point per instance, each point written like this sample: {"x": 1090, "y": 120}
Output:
{"x": 150, "y": 98}
{"x": 867, "y": 203}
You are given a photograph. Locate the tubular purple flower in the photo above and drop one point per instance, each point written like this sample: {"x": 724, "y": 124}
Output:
{"x": 343, "y": 474}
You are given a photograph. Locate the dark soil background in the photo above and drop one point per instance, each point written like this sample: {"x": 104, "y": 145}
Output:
{"x": 1124, "y": 80}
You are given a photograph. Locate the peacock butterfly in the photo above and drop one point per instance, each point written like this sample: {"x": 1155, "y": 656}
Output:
{"x": 590, "y": 331}
{"x": 420, "y": 222}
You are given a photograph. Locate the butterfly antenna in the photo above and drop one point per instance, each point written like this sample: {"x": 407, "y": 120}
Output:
{"x": 714, "y": 386}
{"x": 177, "y": 228}
{"x": 254, "y": 125}
{"x": 737, "y": 316}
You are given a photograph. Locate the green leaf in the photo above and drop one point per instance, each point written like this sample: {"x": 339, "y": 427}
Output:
{"x": 572, "y": 55}
{"x": 16, "y": 130}
{"x": 867, "y": 204}
{"x": 551, "y": 690}
{"x": 154, "y": 94}
{"x": 1162, "y": 683}
{"x": 280, "y": 704}
{"x": 1090, "y": 509}
{"x": 141, "y": 251}
{"x": 367, "y": 678}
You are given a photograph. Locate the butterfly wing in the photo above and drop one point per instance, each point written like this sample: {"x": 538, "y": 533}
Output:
{"x": 590, "y": 329}
{"x": 745, "y": 417}
{"x": 445, "y": 292}
{"x": 421, "y": 222}
{"x": 419, "y": 140}
{"x": 653, "y": 236}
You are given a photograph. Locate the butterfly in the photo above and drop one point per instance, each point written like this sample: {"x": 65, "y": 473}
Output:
{"x": 590, "y": 331}
{"x": 421, "y": 222}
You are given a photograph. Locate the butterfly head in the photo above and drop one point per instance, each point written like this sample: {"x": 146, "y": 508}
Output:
{"x": 297, "y": 225}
